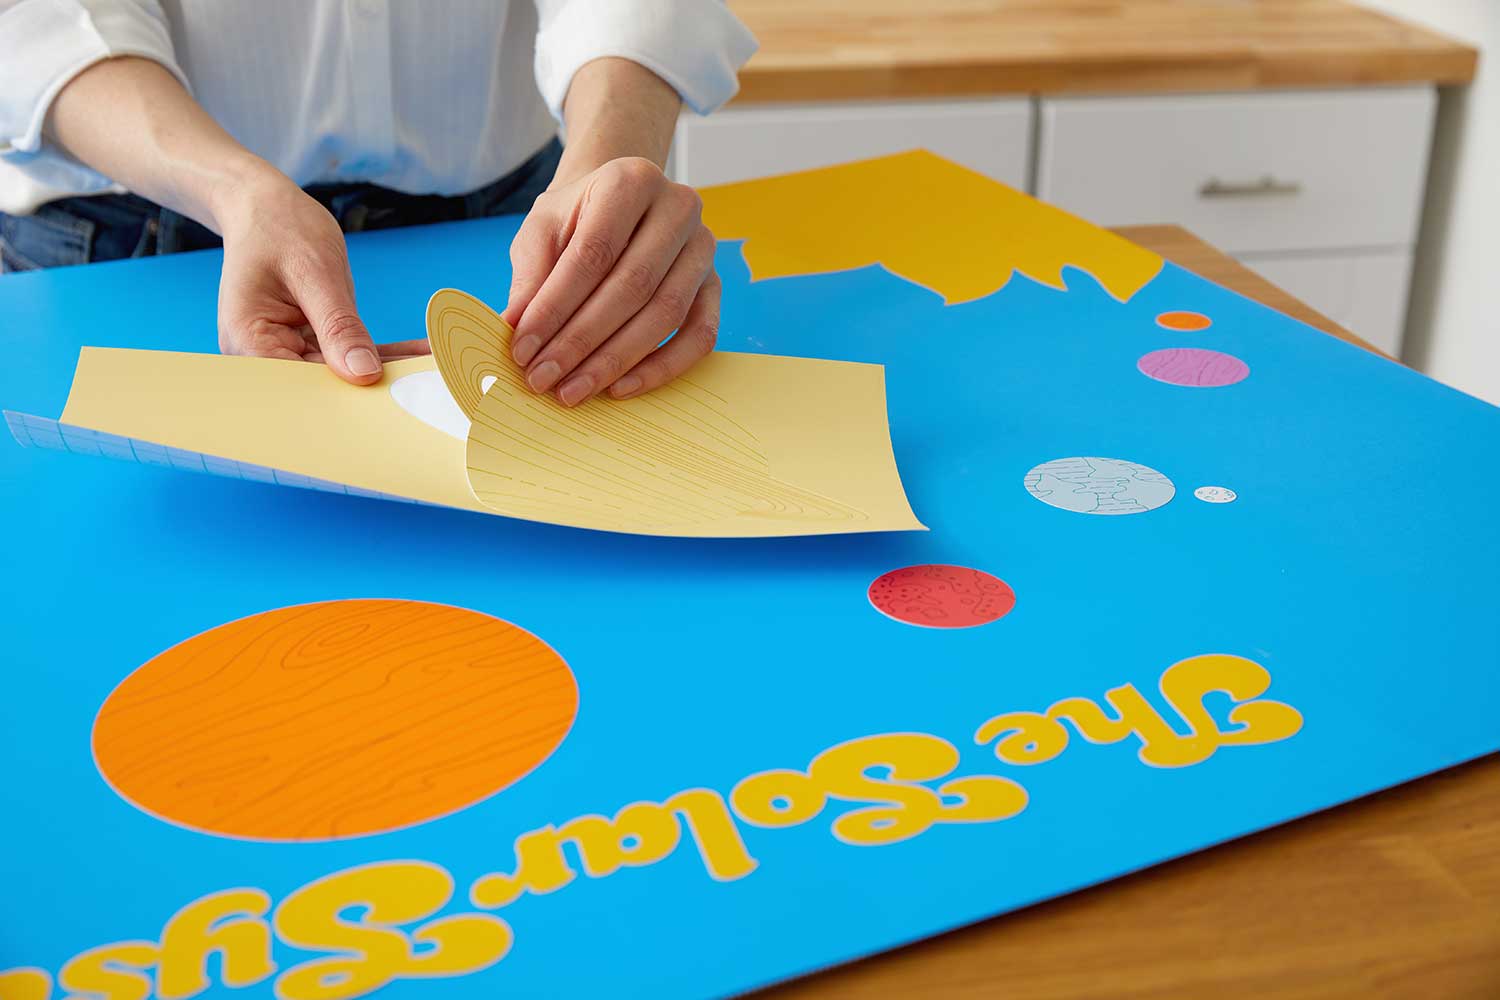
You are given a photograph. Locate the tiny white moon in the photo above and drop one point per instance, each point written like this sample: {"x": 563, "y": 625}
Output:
{"x": 1215, "y": 494}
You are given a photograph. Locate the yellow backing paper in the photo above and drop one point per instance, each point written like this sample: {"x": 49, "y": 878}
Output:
{"x": 287, "y": 415}
{"x": 924, "y": 218}
{"x": 744, "y": 445}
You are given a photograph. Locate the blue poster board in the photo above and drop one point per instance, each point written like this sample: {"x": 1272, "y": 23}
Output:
{"x": 1345, "y": 594}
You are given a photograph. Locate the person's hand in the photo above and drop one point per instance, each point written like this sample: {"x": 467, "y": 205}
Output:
{"x": 606, "y": 267}
{"x": 286, "y": 291}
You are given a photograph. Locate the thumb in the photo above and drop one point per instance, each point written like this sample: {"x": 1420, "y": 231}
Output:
{"x": 327, "y": 300}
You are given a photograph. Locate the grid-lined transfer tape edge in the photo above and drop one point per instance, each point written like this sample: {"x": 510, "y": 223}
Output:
{"x": 41, "y": 432}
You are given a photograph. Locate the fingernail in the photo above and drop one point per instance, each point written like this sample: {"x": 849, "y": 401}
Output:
{"x": 526, "y": 349}
{"x": 575, "y": 391}
{"x": 545, "y": 374}
{"x": 362, "y": 361}
{"x": 626, "y": 385}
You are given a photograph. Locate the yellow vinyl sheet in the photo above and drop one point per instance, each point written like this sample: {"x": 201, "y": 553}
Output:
{"x": 744, "y": 445}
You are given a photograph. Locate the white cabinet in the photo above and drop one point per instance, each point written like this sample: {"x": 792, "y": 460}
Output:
{"x": 1363, "y": 292}
{"x": 990, "y": 136}
{"x": 1321, "y": 191}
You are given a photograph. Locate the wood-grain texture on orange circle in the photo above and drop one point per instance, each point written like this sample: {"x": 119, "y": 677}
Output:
{"x": 332, "y": 720}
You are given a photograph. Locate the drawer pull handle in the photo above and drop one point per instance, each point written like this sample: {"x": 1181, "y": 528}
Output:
{"x": 1267, "y": 185}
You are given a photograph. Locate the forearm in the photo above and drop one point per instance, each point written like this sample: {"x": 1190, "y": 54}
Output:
{"x": 130, "y": 119}
{"x": 616, "y": 108}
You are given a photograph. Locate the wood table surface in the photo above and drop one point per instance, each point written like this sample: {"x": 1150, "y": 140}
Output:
{"x": 848, "y": 49}
{"x": 1393, "y": 896}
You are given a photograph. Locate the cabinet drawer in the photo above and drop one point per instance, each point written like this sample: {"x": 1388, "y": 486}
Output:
{"x": 1247, "y": 172}
{"x": 990, "y": 136}
{"x": 1362, "y": 292}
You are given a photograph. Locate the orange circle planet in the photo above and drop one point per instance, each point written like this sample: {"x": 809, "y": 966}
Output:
{"x": 333, "y": 720}
{"x": 1184, "y": 321}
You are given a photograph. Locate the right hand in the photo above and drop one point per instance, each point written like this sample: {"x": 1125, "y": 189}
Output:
{"x": 286, "y": 291}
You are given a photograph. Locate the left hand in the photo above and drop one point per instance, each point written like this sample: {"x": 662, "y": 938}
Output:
{"x": 606, "y": 267}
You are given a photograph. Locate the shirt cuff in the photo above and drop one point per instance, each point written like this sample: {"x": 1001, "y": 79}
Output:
{"x": 49, "y": 42}
{"x": 696, "y": 46}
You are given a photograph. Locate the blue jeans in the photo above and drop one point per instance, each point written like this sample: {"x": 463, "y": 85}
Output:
{"x": 115, "y": 226}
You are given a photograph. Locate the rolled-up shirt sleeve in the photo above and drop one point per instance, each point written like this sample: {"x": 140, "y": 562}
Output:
{"x": 696, "y": 46}
{"x": 45, "y": 43}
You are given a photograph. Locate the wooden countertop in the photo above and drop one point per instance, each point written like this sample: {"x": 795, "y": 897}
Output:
{"x": 1395, "y": 895}
{"x": 849, "y": 49}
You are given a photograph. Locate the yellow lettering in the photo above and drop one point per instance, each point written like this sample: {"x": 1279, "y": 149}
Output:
{"x": 777, "y": 799}
{"x": 540, "y": 868}
{"x": 1135, "y": 716}
{"x": 1024, "y": 737}
{"x": 905, "y": 808}
{"x": 230, "y": 923}
{"x": 642, "y": 833}
{"x": 718, "y": 837}
{"x": 110, "y": 972}
{"x": 908, "y": 809}
{"x": 1186, "y": 683}
{"x": 372, "y": 952}
{"x": 458, "y": 945}
{"x": 25, "y": 984}
{"x": 983, "y": 798}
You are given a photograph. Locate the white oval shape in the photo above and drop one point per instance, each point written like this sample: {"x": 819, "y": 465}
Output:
{"x": 1099, "y": 486}
{"x": 1215, "y": 494}
{"x": 424, "y": 396}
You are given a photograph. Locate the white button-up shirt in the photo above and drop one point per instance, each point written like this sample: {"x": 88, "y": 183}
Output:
{"x": 423, "y": 96}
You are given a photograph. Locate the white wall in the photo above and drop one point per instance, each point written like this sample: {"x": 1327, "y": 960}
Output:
{"x": 1453, "y": 328}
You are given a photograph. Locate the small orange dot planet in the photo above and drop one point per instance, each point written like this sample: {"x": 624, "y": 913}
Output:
{"x": 334, "y": 720}
{"x": 1184, "y": 321}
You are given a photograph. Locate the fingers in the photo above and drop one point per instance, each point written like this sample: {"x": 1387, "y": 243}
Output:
{"x": 300, "y": 308}
{"x": 269, "y": 341}
{"x": 636, "y": 282}
{"x": 404, "y": 349}
{"x": 666, "y": 310}
{"x": 533, "y": 254}
{"x": 285, "y": 290}
{"x": 693, "y": 342}
{"x": 325, "y": 293}
{"x": 385, "y": 358}
{"x": 610, "y": 208}
{"x": 258, "y": 338}
{"x": 264, "y": 338}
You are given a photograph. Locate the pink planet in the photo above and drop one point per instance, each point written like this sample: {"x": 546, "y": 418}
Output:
{"x": 1193, "y": 366}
